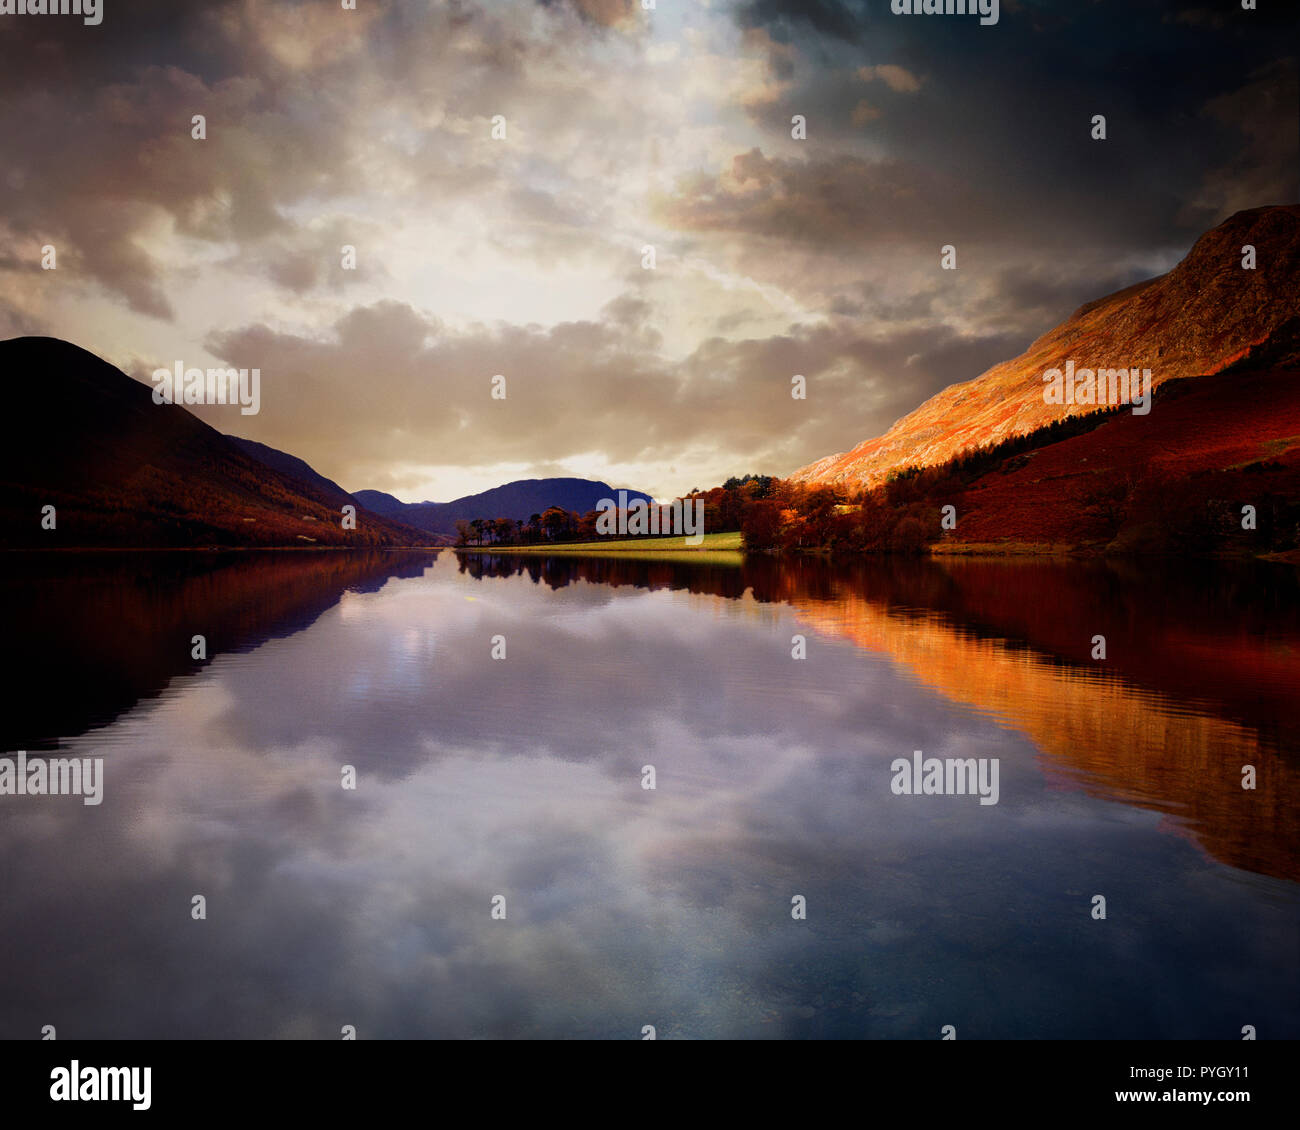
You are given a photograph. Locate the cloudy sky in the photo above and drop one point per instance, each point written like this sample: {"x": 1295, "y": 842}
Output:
{"x": 522, "y": 255}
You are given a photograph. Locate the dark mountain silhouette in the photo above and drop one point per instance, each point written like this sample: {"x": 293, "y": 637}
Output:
{"x": 519, "y": 500}
{"x": 122, "y": 471}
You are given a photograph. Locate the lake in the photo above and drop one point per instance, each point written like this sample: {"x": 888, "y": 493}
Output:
{"x": 499, "y": 870}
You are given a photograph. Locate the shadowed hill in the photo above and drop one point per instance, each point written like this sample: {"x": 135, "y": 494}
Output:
{"x": 123, "y": 471}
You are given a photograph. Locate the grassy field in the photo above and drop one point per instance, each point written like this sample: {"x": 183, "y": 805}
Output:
{"x": 715, "y": 548}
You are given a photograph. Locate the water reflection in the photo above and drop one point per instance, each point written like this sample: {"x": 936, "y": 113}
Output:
{"x": 522, "y": 777}
{"x": 1201, "y": 669}
{"x": 98, "y": 632}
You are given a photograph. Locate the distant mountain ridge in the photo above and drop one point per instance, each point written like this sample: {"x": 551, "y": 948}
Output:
{"x": 1201, "y": 317}
{"x": 518, "y": 500}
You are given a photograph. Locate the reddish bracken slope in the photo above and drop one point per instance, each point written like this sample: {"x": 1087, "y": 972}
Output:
{"x": 1229, "y": 440}
{"x": 1202, "y": 316}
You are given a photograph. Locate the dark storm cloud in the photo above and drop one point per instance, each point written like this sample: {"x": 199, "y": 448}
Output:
{"x": 1046, "y": 293}
{"x": 64, "y": 54}
{"x": 1262, "y": 114}
{"x": 835, "y": 202}
{"x": 1006, "y": 110}
{"x": 784, "y": 18}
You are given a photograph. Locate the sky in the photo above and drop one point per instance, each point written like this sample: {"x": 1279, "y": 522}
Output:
{"x": 524, "y": 255}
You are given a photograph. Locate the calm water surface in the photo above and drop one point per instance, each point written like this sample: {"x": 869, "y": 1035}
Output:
{"x": 522, "y": 777}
